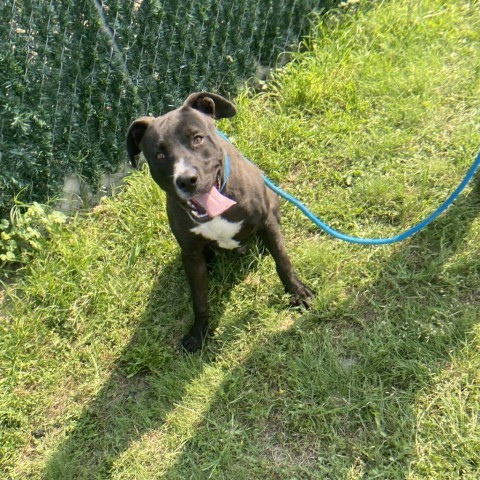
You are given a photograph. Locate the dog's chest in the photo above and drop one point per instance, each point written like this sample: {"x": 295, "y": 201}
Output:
{"x": 220, "y": 230}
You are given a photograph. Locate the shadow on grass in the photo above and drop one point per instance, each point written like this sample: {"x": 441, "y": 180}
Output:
{"x": 149, "y": 378}
{"x": 317, "y": 399}
{"x": 337, "y": 398}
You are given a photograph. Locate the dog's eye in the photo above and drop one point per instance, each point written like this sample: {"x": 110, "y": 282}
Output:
{"x": 198, "y": 140}
{"x": 160, "y": 156}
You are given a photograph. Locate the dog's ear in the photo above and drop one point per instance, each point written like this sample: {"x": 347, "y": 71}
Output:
{"x": 211, "y": 104}
{"x": 134, "y": 137}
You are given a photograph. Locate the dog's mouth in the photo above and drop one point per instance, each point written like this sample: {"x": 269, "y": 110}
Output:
{"x": 196, "y": 210}
{"x": 209, "y": 204}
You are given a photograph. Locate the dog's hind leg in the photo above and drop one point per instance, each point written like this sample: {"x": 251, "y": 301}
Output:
{"x": 210, "y": 255}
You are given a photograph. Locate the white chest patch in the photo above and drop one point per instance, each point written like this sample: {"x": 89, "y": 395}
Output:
{"x": 220, "y": 230}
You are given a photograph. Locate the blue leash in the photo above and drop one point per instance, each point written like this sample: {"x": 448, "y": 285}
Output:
{"x": 364, "y": 241}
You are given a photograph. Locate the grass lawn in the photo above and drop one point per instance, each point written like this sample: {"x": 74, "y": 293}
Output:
{"x": 372, "y": 125}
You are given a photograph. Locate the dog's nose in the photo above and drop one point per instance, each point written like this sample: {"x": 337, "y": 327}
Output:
{"x": 187, "y": 180}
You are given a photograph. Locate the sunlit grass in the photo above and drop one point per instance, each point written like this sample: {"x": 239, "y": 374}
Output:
{"x": 372, "y": 126}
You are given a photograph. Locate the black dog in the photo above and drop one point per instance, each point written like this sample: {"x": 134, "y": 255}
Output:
{"x": 190, "y": 162}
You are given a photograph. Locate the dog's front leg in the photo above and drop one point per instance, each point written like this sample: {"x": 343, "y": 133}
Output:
{"x": 273, "y": 239}
{"x": 195, "y": 266}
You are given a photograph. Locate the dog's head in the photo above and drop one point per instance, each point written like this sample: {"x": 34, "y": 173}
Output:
{"x": 182, "y": 147}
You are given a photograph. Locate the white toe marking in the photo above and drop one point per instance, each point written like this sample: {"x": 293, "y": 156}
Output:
{"x": 220, "y": 230}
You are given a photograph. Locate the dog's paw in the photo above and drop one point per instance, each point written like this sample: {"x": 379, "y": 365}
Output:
{"x": 302, "y": 297}
{"x": 193, "y": 341}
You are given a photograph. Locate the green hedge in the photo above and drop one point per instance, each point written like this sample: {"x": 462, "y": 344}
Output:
{"x": 67, "y": 95}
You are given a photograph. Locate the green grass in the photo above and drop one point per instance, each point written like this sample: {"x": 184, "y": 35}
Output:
{"x": 372, "y": 125}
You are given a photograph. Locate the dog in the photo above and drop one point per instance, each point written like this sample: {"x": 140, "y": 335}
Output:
{"x": 215, "y": 198}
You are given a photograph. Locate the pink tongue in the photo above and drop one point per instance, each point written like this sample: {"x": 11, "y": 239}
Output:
{"x": 213, "y": 202}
